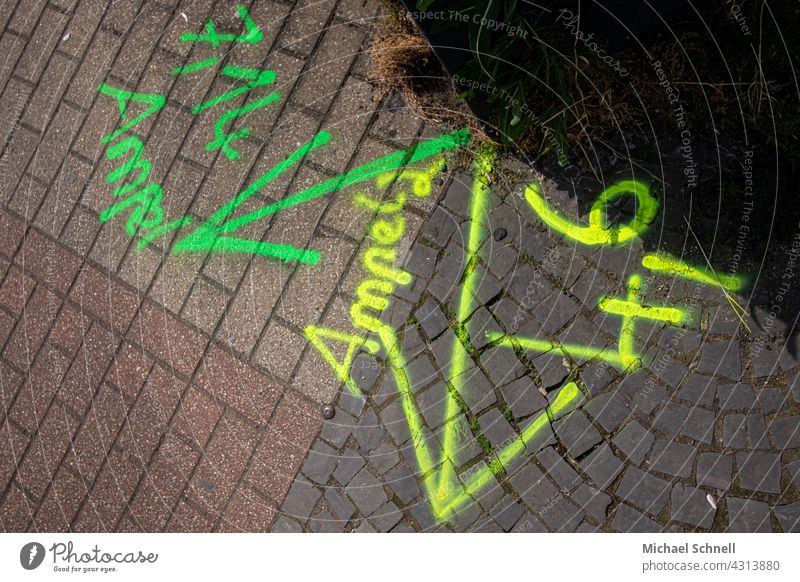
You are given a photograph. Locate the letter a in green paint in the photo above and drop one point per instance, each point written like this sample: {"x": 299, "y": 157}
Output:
{"x": 154, "y": 104}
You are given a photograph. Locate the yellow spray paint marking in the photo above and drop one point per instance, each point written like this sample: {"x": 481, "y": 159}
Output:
{"x": 664, "y": 263}
{"x": 625, "y": 358}
{"x": 445, "y": 492}
{"x": 597, "y": 233}
{"x": 316, "y": 336}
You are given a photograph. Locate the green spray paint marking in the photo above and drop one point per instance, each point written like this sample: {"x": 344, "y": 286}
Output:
{"x": 222, "y": 139}
{"x": 257, "y": 79}
{"x": 213, "y": 234}
{"x": 597, "y": 233}
{"x": 664, "y": 263}
{"x": 154, "y": 104}
{"x": 252, "y": 33}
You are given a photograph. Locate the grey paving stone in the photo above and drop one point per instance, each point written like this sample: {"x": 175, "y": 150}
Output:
{"x": 641, "y": 393}
{"x": 543, "y": 437}
{"x": 596, "y": 378}
{"x": 771, "y": 400}
{"x": 413, "y": 343}
{"x": 368, "y": 431}
{"x": 365, "y": 527}
{"x": 336, "y": 430}
{"x": 422, "y": 516}
{"x": 394, "y": 420}
{"x": 785, "y": 432}
{"x": 558, "y": 469}
{"x": 590, "y": 286}
{"x": 431, "y": 318}
{"x": 501, "y": 260}
{"x": 522, "y": 397}
{"x": 433, "y": 404}
{"x": 352, "y": 403}
{"x": 365, "y": 372}
{"x": 714, "y": 470}
{"x": 350, "y": 463}
{"x": 463, "y": 517}
{"x": 734, "y": 431}
{"x": 759, "y": 471}
{"x": 586, "y": 527}
{"x": 285, "y": 525}
{"x": 324, "y": 522}
{"x": 421, "y": 372}
{"x": 490, "y": 492}
{"x": 788, "y": 516}
{"x": 301, "y": 499}
{"x": 550, "y": 369}
{"x": 628, "y": 520}
{"x": 765, "y": 358}
{"x": 445, "y": 349}
{"x": 385, "y": 391}
{"x": 647, "y": 492}
{"x": 320, "y": 463}
{"x": 366, "y": 492}
{"x": 496, "y": 428}
{"x": 403, "y": 527}
{"x": 465, "y": 445}
{"x": 721, "y": 359}
{"x": 385, "y": 517}
{"x": 592, "y": 501}
{"x": 383, "y": 458}
{"x": 669, "y": 370}
{"x": 421, "y": 261}
{"x": 440, "y": 226}
{"x": 602, "y": 466}
{"x": 736, "y": 397}
{"x": 507, "y": 512}
{"x": 699, "y": 425}
{"x": 502, "y": 365}
{"x": 487, "y": 288}
{"x": 672, "y": 458}
{"x": 561, "y": 514}
{"x": 794, "y": 387}
{"x": 635, "y": 441}
{"x": 476, "y": 390}
{"x": 528, "y": 524}
{"x": 683, "y": 341}
{"x": 757, "y": 432}
{"x": 699, "y": 390}
{"x": 486, "y": 525}
{"x": 794, "y": 471}
{"x": 340, "y": 504}
{"x": 670, "y": 418}
{"x": 402, "y": 482}
{"x": 689, "y": 505}
{"x": 554, "y": 311}
{"x": 479, "y": 324}
{"x": 747, "y": 516}
{"x": 609, "y": 410}
{"x": 577, "y": 433}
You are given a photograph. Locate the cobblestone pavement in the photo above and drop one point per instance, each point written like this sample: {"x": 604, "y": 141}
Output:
{"x": 146, "y": 386}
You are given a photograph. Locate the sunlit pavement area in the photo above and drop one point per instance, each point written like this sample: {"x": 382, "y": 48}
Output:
{"x": 406, "y": 345}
